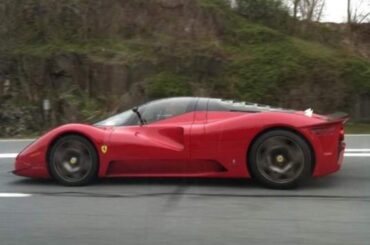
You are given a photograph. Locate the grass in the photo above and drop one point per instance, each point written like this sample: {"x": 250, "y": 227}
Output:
{"x": 357, "y": 128}
{"x": 108, "y": 51}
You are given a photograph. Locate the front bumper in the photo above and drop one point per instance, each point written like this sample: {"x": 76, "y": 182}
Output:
{"x": 30, "y": 164}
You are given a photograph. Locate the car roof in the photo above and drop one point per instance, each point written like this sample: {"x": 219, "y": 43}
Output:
{"x": 218, "y": 104}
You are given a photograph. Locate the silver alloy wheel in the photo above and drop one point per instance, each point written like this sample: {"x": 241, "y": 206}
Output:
{"x": 280, "y": 159}
{"x": 72, "y": 160}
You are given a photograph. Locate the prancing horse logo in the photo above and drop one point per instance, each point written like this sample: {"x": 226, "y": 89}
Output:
{"x": 104, "y": 149}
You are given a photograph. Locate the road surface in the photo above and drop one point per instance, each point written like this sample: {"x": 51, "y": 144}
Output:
{"x": 330, "y": 210}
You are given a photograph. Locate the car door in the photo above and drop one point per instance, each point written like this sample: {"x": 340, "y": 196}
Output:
{"x": 205, "y": 143}
{"x": 159, "y": 147}
{"x": 218, "y": 145}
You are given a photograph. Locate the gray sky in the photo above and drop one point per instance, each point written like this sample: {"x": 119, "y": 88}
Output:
{"x": 336, "y": 10}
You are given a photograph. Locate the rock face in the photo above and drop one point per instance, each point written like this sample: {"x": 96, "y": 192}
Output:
{"x": 72, "y": 82}
{"x": 90, "y": 58}
{"x": 353, "y": 37}
{"x": 94, "y": 58}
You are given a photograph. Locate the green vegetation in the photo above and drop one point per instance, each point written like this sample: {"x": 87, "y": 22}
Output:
{"x": 167, "y": 85}
{"x": 84, "y": 61}
{"x": 357, "y": 128}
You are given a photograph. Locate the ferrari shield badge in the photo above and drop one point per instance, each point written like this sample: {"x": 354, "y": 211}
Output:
{"x": 104, "y": 149}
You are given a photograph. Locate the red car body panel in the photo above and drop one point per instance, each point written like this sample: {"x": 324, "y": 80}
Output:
{"x": 194, "y": 144}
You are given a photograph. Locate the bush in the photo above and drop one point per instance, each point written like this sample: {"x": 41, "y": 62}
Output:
{"x": 269, "y": 12}
{"x": 167, "y": 84}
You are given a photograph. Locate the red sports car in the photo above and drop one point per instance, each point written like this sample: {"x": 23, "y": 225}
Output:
{"x": 191, "y": 137}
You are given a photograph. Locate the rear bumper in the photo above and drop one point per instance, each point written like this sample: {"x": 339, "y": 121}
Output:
{"x": 328, "y": 146}
{"x": 342, "y": 148}
{"x": 328, "y": 163}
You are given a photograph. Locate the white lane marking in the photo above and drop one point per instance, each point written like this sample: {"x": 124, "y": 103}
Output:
{"x": 4, "y": 194}
{"x": 348, "y": 153}
{"x": 357, "y": 135}
{"x": 358, "y": 150}
{"x": 8, "y": 155}
{"x": 16, "y": 140}
{"x": 357, "y": 154}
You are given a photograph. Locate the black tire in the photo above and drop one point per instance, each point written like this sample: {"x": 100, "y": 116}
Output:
{"x": 73, "y": 161}
{"x": 280, "y": 159}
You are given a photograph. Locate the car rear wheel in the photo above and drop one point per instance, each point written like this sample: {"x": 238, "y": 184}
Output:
{"x": 280, "y": 159}
{"x": 73, "y": 161}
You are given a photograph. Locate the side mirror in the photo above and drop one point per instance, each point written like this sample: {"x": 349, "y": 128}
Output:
{"x": 136, "y": 111}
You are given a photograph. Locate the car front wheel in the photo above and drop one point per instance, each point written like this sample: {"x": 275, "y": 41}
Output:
{"x": 73, "y": 161}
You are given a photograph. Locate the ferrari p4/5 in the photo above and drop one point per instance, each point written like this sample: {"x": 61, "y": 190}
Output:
{"x": 191, "y": 137}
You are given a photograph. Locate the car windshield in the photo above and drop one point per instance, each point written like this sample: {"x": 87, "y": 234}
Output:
{"x": 151, "y": 112}
{"x": 121, "y": 119}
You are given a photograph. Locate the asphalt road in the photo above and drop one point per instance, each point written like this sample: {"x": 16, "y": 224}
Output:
{"x": 330, "y": 210}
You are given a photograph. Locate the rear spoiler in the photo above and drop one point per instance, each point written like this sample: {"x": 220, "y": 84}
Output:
{"x": 338, "y": 117}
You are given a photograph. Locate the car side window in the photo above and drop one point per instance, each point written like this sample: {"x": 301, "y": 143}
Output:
{"x": 202, "y": 104}
{"x": 230, "y": 105}
{"x": 152, "y": 112}
{"x": 218, "y": 105}
{"x": 166, "y": 108}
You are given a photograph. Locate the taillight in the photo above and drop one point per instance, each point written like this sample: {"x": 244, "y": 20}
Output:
{"x": 341, "y": 134}
{"x": 323, "y": 130}
{"x": 330, "y": 130}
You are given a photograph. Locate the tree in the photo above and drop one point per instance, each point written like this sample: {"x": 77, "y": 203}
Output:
{"x": 357, "y": 13}
{"x": 295, "y": 8}
{"x": 349, "y": 11}
{"x": 311, "y": 10}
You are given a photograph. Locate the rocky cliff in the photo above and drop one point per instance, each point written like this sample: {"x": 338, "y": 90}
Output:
{"x": 94, "y": 58}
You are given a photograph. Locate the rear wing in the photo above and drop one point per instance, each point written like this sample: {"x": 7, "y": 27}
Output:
{"x": 338, "y": 117}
